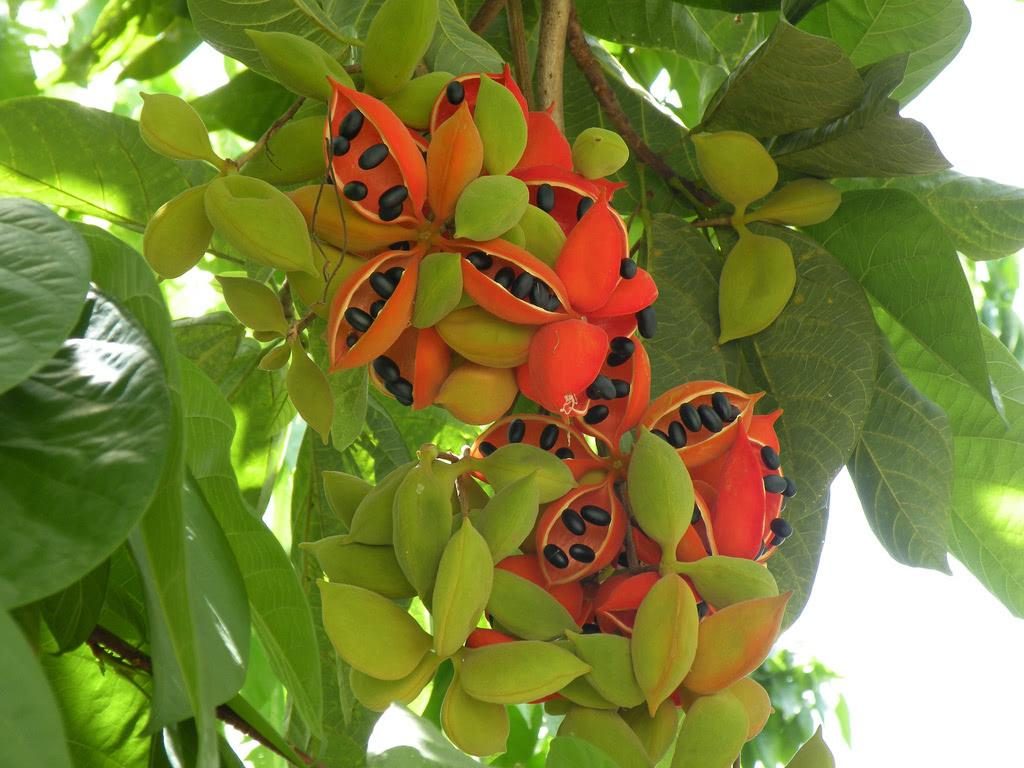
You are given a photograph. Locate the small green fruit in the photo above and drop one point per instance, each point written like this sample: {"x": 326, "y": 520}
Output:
{"x": 489, "y": 206}
{"x": 170, "y": 126}
{"x": 598, "y": 152}
{"x": 300, "y": 65}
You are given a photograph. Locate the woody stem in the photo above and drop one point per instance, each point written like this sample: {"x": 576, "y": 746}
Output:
{"x": 554, "y": 21}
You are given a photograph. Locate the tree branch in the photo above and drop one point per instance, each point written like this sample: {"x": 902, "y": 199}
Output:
{"x": 554, "y": 20}
{"x": 261, "y": 142}
{"x": 520, "y": 57}
{"x": 487, "y": 13}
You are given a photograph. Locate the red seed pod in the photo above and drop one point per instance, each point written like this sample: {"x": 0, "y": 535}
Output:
{"x": 618, "y": 599}
{"x": 546, "y": 145}
{"x": 620, "y": 394}
{"x": 481, "y": 637}
{"x": 580, "y": 533}
{"x": 375, "y": 163}
{"x": 464, "y": 90}
{"x": 589, "y": 262}
{"x": 413, "y": 368}
{"x": 570, "y": 595}
{"x": 628, "y": 298}
{"x": 545, "y": 432}
{"x": 558, "y": 191}
{"x": 564, "y": 359}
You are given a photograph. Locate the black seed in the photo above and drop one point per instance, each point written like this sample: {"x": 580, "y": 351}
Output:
{"x": 516, "y": 431}
{"x": 781, "y": 528}
{"x": 554, "y": 555}
{"x": 583, "y": 206}
{"x": 389, "y": 214}
{"x": 351, "y": 124}
{"x": 548, "y": 437}
{"x": 504, "y": 277}
{"x": 770, "y": 457}
{"x": 695, "y": 517}
{"x": 662, "y": 435}
{"x": 522, "y": 285}
{"x": 614, "y": 360}
{"x": 540, "y": 294}
{"x": 354, "y": 190}
{"x": 702, "y": 609}
{"x": 621, "y": 387}
{"x": 622, "y": 345}
{"x": 720, "y": 402}
{"x": 386, "y": 368}
{"x": 339, "y": 146}
{"x": 627, "y": 269}
{"x": 395, "y": 274}
{"x": 790, "y": 491}
{"x": 581, "y": 553}
{"x": 572, "y": 520}
{"x": 734, "y": 413}
{"x": 647, "y": 322}
{"x": 401, "y": 389}
{"x": 565, "y": 453}
{"x": 596, "y": 515}
{"x": 546, "y": 198}
{"x": 480, "y": 260}
{"x": 552, "y": 303}
{"x": 596, "y": 415}
{"x": 394, "y": 196}
{"x": 373, "y": 156}
{"x": 690, "y": 417}
{"x": 351, "y": 339}
{"x": 623, "y": 560}
{"x": 601, "y": 389}
{"x": 455, "y": 92}
{"x": 487, "y": 448}
{"x": 376, "y": 308}
{"x": 591, "y": 629}
{"x": 382, "y": 285}
{"x": 676, "y": 434}
{"x": 401, "y": 245}
{"x": 709, "y": 418}
{"x": 358, "y": 319}
{"x": 775, "y": 542}
{"x": 775, "y": 483}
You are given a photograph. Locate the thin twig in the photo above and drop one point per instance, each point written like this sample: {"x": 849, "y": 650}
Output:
{"x": 487, "y": 13}
{"x": 261, "y": 142}
{"x": 285, "y": 297}
{"x": 239, "y": 723}
{"x": 520, "y": 57}
{"x": 718, "y": 221}
{"x": 554, "y": 20}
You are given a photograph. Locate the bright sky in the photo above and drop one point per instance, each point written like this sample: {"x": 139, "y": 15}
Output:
{"x": 932, "y": 664}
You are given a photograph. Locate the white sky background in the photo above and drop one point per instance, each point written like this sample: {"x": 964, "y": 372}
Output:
{"x": 932, "y": 665}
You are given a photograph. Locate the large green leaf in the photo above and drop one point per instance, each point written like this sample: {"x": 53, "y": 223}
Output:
{"x": 660, "y": 24}
{"x": 903, "y": 470}
{"x": 15, "y": 62}
{"x": 82, "y": 449}
{"x": 900, "y": 254}
{"x": 173, "y": 47}
{"x": 456, "y": 48}
{"x": 931, "y": 31}
{"x": 279, "y": 609}
{"x": 349, "y": 391}
{"x": 247, "y": 105}
{"x": 44, "y": 274}
{"x": 88, "y": 160}
{"x": 352, "y": 16}
{"x": 31, "y": 732}
{"x": 74, "y": 612}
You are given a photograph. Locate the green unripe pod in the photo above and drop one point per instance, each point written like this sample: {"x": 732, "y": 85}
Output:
{"x": 543, "y": 235}
{"x": 801, "y": 203}
{"x": 712, "y": 733}
{"x": 519, "y": 671}
{"x": 398, "y": 37}
{"x": 438, "y": 288}
{"x": 502, "y": 125}
{"x": 415, "y": 101}
{"x": 178, "y": 234}
{"x": 474, "y": 726}
{"x": 309, "y": 391}
{"x": 462, "y": 588}
{"x": 300, "y": 65}
{"x": 362, "y": 565}
{"x": 344, "y": 493}
{"x": 526, "y": 610}
{"x": 489, "y": 206}
{"x": 515, "y": 461}
{"x": 292, "y": 155}
{"x": 598, "y": 152}
{"x": 735, "y": 166}
{"x": 254, "y": 303}
{"x": 275, "y": 359}
{"x": 484, "y": 339}
{"x": 660, "y": 491}
{"x": 170, "y": 126}
{"x": 608, "y": 732}
{"x": 378, "y": 695}
{"x": 757, "y": 280}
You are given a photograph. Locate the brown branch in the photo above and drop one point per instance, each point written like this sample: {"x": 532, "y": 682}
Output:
{"x": 239, "y": 723}
{"x": 718, "y": 221}
{"x": 554, "y": 20}
{"x": 520, "y": 57}
{"x": 487, "y": 13}
{"x": 579, "y": 48}
{"x": 261, "y": 142}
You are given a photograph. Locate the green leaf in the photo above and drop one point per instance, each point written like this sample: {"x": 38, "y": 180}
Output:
{"x": 572, "y": 752}
{"x": 91, "y": 161}
{"x": 456, "y": 48}
{"x": 72, "y": 613}
{"x": 733, "y": 6}
{"x": 173, "y": 47}
{"x": 247, "y": 105}
{"x": 349, "y": 390}
{"x": 15, "y": 61}
{"x": 401, "y": 727}
{"x": 278, "y": 606}
{"x": 31, "y": 732}
{"x": 666, "y": 26}
{"x": 903, "y": 470}
{"x": 66, "y": 511}
{"x": 40, "y": 295}
{"x": 900, "y": 254}
{"x": 931, "y": 31}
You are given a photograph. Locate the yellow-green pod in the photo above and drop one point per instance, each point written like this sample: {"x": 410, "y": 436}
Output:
{"x": 344, "y": 493}
{"x": 509, "y": 516}
{"x": 254, "y": 303}
{"x": 484, "y": 339}
{"x": 362, "y": 565}
{"x": 476, "y": 727}
{"x": 518, "y": 671}
{"x": 438, "y": 288}
{"x": 295, "y": 153}
{"x": 276, "y": 358}
{"x": 461, "y": 590}
{"x": 515, "y": 461}
{"x": 612, "y": 675}
{"x": 735, "y": 166}
{"x": 399, "y": 36}
{"x": 757, "y": 280}
{"x": 172, "y": 127}
{"x": 656, "y": 733}
{"x": 378, "y": 695}
{"x": 300, "y": 65}
{"x": 502, "y": 125}
{"x": 422, "y": 514}
{"x": 800, "y": 203}
{"x": 373, "y": 519}
{"x": 813, "y": 754}
{"x": 598, "y": 152}
{"x": 712, "y": 734}
{"x": 543, "y": 235}
{"x": 723, "y": 580}
{"x": 608, "y": 732}
{"x": 526, "y": 610}
{"x": 415, "y": 101}
{"x": 178, "y": 234}
{"x": 660, "y": 491}
{"x": 478, "y": 394}
{"x": 582, "y": 693}
{"x": 489, "y": 206}
{"x": 664, "y": 640}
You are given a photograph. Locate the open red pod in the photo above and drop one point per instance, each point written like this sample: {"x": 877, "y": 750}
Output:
{"x": 545, "y": 432}
{"x": 620, "y": 394}
{"x": 546, "y": 145}
{"x": 560, "y": 192}
{"x": 413, "y": 368}
{"x": 464, "y": 90}
{"x": 618, "y": 598}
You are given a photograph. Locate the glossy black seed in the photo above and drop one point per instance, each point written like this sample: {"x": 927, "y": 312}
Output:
{"x": 596, "y": 415}
{"x": 382, "y": 285}
{"x": 546, "y": 198}
{"x": 401, "y": 245}
{"x": 581, "y": 553}
{"x": 690, "y": 417}
{"x": 487, "y": 448}
{"x": 339, "y": 146}
{"x": 790, "y": 488}
{"x": 522, "y": 285}
{"x": 621, "y": 387}
{"x": 358, "y": 319}
{"x": 596, "y": 515}
{"x": 695, "y": 517}
{"x": 734, "y": 413}
{"x": 775, "y": 542}
{"x": 775, "y": 483}
{"x": 351, "y": 339}
{"x": 401, "y": 389}
{"x": 552, "y": 303}
{"x": 702, "y": 609}
{"x": 662, "y": 435}
{"x": 480, "y": 260}
{"x": 548, "y": 437}
{"x": 770, "y": 457}
{"x": 720, "y": 402}
{"x": 455, "y": 92}
{"x": 571, "y": 519}
{"x": 709, "y": 418}
{"x": 591, "y": 629}
{"x": 504, "y": 277}
{"x": 622, "y": 345}
{"x": 394, "y": 196}
{"x": 627, "y": 269}
{"x": 623, "y": 560}
{"x": 386, "y": 368}
{"x": 351, "y": 124}
{"x": 376, "y": 307}
{"x": 395, "y": 274}
{"x": 354, "y": 190}
{"x": 781, "y": 528}
{"x": 565, "y": 453}
{"x": 583, "y": 206}
{"x": 614, "y": 360}
{"x": 554, "y": 555}
{"x": 601, "y": 389}
{"x": 540, "y": 294}
{"x": 389, "y": 214}
{"x": 516, "y": 431}
{"x": 647, "y": 322}
{"x": 676, "y": 434}
{"x": 373, "y": 156}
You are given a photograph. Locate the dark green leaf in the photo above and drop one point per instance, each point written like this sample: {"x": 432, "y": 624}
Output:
{"x": 247, "y": 105}
{"x": 900, "y": 254}
{"x": 174, "y": 45}
{"x": 903, "y": 470}
{"x": 40, "y": 294}
{"x": 349, "y": 391}
{"x": 456, "y": 48}
{"x": 211, "y": 342}
{"x": 734, "y": 6}
{"x": 88, "y": 160}
{"x": 659, "y": 24}
{"x": 69, "y": 498}
{"x": 72, "y": 613}
{"x": 124, "y": 606}
{"x": 31, "y": 732}
{"x": 352, "y": 16}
